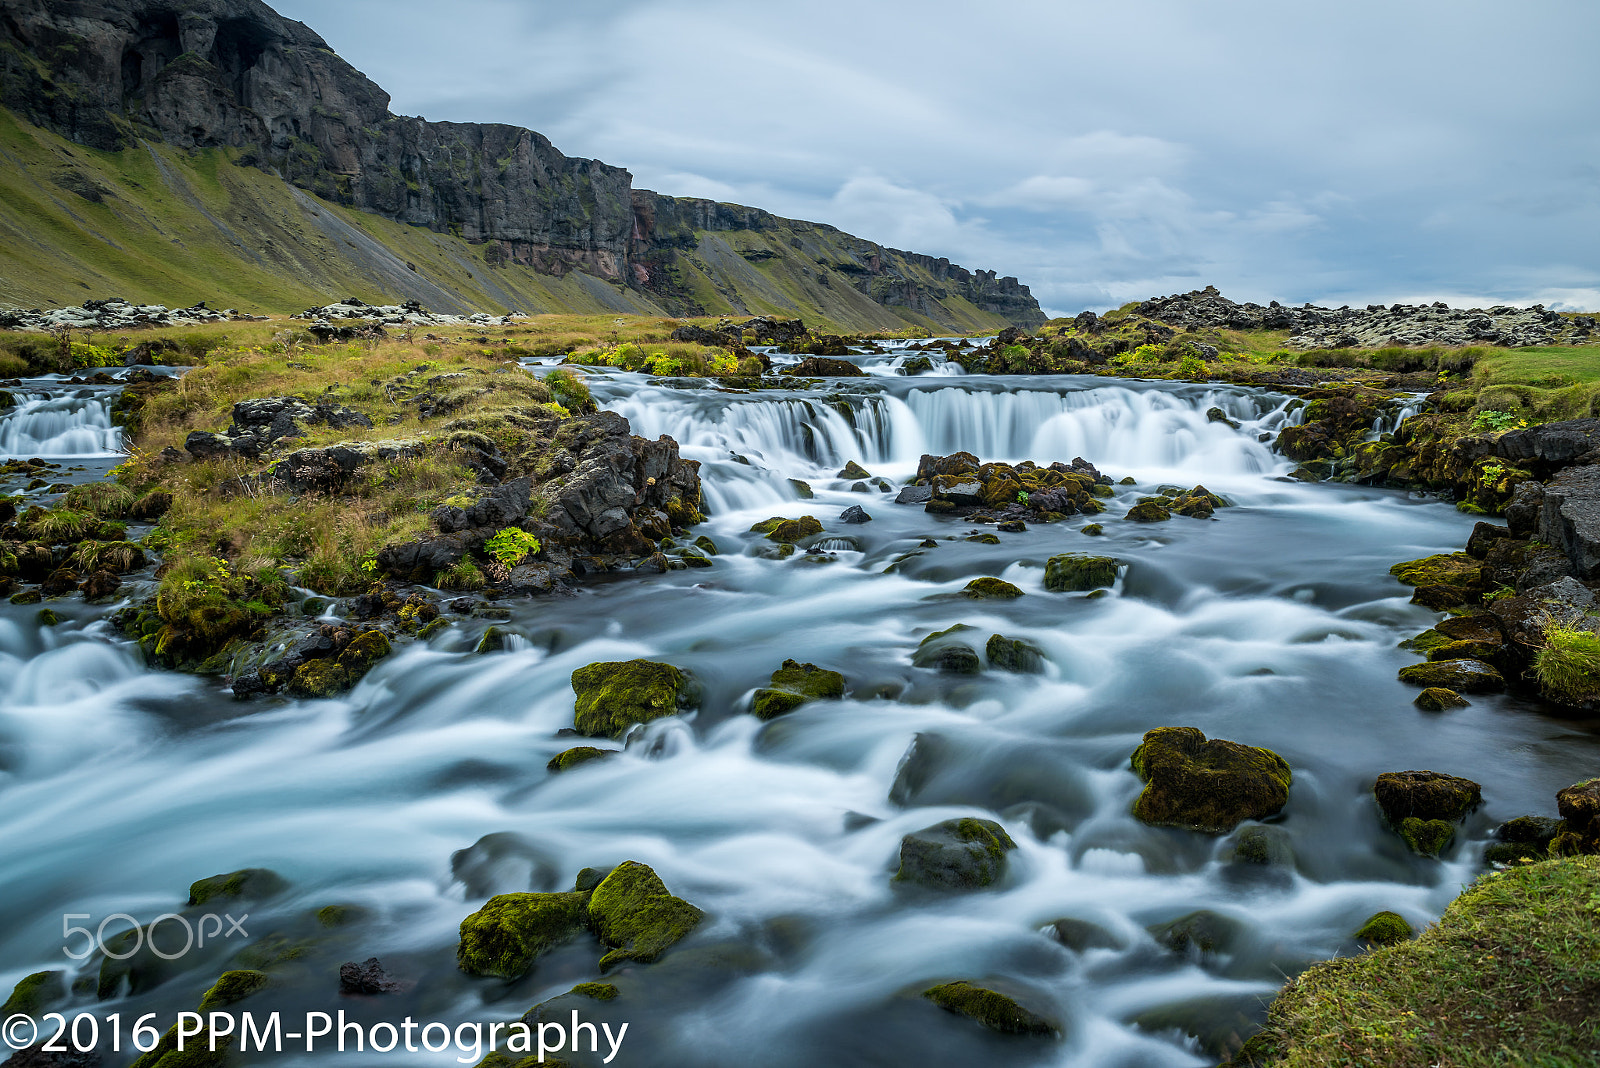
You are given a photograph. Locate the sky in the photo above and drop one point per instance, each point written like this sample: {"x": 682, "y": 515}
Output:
{"x": 1358, "y": 152}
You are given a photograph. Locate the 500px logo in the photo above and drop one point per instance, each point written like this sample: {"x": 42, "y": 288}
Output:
{"x": 125, "y": 943}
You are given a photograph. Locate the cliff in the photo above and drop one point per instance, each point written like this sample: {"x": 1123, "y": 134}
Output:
{"x": 233, "y": 79}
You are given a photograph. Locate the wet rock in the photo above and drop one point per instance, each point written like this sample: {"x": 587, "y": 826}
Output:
{"x": 801, "y": 489}
{"x": 1014, "y": 655}
{"x": 959, "y": 854}
{"x": 1081, "y": 935}
{"x": 581, "y": 754}
{"x": 1443, "y": 581}
{"x": 793, "y": 685}
{"x": 1385, "y": 929}
{"x": 1206, "y": 785}
{"x": 611, "y": 697}
{"x": 511, "y": 931}
{"x": 950, "y": 651}
{"x": 1427, "y": 838}
{"x": 368, "y": 977}
{"x": 1579, "y": 805}
{"x": 823, "y": 367}
{"x": 232, "y": 987}
{"x": 1526, "y": 838}
{"x": 633, "y": 913}
{"x": 1427, "y": 795}
{"x": 1075, "y": 572}
{"x": 853, "y": 471}
{"x": 986, "y": 588}
{"x": 1267, "y": 846}
{"x": 788, "y": 531}
{"x": 914, "y": 495}
{"x": 1217, "y": 415}
{"x": 854, "y": 514}
{"x": 1569, "y": 518}
{"x": 246, "y": 884}
{"x": 1439, "y": 699}
{"x": 35, "y": 993}
{"x": 1148, "y": 511}
{"x": 317, "y": 679}
{"x": 100, "y": 586}
{"x": 1460, "y": 676}
{"x": 992, "y": 1009}
{"x": 1204, "y": 931}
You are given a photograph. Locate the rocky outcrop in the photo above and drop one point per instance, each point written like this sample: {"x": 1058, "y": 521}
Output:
{"x": 1375, "y": 326}
{"x": 235, "y": 74}
{"x": 959, "y": 484}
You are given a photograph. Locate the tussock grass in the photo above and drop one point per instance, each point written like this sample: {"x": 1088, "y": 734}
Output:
{"x": 1568, "y": 667}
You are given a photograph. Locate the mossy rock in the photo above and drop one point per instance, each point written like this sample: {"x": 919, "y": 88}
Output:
{"x": 1467, "y": 650}
{"x": 958, "y": 854}
{"x": 1443, "y": 581}
{"x": 231, "y": 987}
{"x": 788, "y": 531}
{"x": 1385, "y": 929}
{"x": 579, "y": 754}
{"x": 706, "y": 545}
{"x": 611, "y": 697}
{"x": 1076, "y": 572}
{"x": 246, "y": 884}
{"x": 26, "y": 597}
{"x": 1462, "y": 676}
{"x": 1081, "y": 935}
{"x": 35, "y": 993}
{"x": 1439, "y": 699}
{"x": 199, "y": 1051}
{"x": 511, "y": 931}
{"x": 802, "y": 489}
{"x": 1210, "y": 786}
{"x": 992, "y": 1009}
{"x": 1265, "y": 846}
{"x": 1094, "y": 530}
{"x": 1148, "y": 511}
{"x": 1427, "y": 838}
{"x": 1579, "y": 805}
{"x": 793, "y": 685}
{"x": 432, "y": 627}
{"x": 493, "y": 641}
{"x": 633, "y": 913}
{"x": 945, "y": 650}
{"x": 991, "y": 589}
{"x": 985, "y": 539}
{"x": 46, "y": 617}
{"x": 363, "y": 653}
{"x": 1014, "y": 655}
{"x": 1204, "y": 931}
{"x": 319, "y": 678}
{"x": 853, "y": 470}
{"x": 1427, "y": 795}
{"x": 595, "y": 991}
{"x": 1426, "y": 641}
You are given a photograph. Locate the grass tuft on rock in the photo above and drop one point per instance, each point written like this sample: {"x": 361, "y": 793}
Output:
{"x": 1568, "y": 667}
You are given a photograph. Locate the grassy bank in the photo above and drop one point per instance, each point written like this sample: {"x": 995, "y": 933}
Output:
{"x": 1510, "y": 975}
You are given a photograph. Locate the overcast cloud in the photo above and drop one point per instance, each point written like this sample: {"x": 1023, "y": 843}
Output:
{"x": 1338, "y": 153}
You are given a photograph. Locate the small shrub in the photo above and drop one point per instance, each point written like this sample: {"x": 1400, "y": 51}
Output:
{"x": 568, "y": 388}
{"x": 1568, "y": 667}
{"x": 1498, "y": 420}
{"x": 464, "y": 575}
{"x": 511, "y": 545}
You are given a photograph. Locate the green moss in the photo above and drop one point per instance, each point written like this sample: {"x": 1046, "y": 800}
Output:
{"x": 1385, "y": 929}
{"x": 231, "y": 987}
{"x": 853, "y": 470}
{"x": 493, "y": 641}
{"x": 632, "y": 912}
{"x": 706, "y": 545}
{"x": 26, "y": 597}
{"x": 611, "y": 697}
{"x": 1075, "y": 572}
{"x": 337, "y": 915}
{"x": 1568, "y": 667}
{"x": 788, "y": 531}
{"x": 34, "y": 993}
{"x": 990, "y": 1008}
{"x": 1149, "y": 511}
{"x": 1203, "y": 930}
{"x": 511, "y": 931}
{"x": 319, "y": 679}
{"x": 582, "y": 754}
{"x": 1427, "y": 641}
{"x": 1094, "y": 530}
{"x": 364, "y": 651}
{"x": 1427, "y": 838}
{"x": 1014, "y": 654}
{"x": 246, "y": 884}
{"x": 1206, "y": 785}
{"x": 991, "y": 589}
{"x": 948, "y": 650}
{"x": 958, "y": 854}
{"x": 985, "y": 539}
{"x": 1439, "y": 699}
{"x": 596, "y": 991}
{"x": 197, "y": 1051}
{"x": 1443, "y": 581}
{"x": 46, "y": 617}
{"x": 1461, "y": 676}
{"x": 792, "y": 685}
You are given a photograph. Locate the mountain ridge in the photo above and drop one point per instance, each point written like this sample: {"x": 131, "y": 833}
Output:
{"x": 233, "y": 78}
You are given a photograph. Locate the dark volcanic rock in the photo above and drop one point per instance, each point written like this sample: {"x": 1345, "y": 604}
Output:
{"x": 1569, "y": 518}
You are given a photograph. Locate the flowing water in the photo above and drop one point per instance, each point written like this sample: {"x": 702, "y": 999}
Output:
{"x": 1274, "y": 625}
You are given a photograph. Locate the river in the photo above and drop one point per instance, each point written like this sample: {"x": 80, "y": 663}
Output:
{"x": 1275, "y": 625}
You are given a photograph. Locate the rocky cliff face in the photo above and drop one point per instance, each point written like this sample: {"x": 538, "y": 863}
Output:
{"x": 234, "y": 74}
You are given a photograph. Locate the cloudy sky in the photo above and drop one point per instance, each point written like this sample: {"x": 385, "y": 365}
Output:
{"x": 1102, "y": 152}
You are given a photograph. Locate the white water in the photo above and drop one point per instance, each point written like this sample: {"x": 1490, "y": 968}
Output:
{"x": 56, "y": 424}
{"x": 1274, "y": 625}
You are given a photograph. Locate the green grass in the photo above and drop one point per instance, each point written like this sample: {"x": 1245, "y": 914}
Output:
{"x": 1568, "y": 667}
{"x": 1510, "y": 975}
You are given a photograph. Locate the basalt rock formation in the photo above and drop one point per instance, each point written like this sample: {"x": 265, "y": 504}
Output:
{"x": 235, "y": 76}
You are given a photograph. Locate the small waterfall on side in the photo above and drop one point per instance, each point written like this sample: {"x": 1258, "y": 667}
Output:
{"x": 55, "y": 425}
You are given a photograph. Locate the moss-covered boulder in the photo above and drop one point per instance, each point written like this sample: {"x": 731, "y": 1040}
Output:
{"x": 633, "y": 913}
{"x": 1385, "y": 929}
{"x": 1462, "y": 676}
{"x": 246, "y": 884}
{"x": 611, "y": 697}
{"x": 1151, "y": 510}
{"x": 1267, "y": 846}
{"x": 853, "y": 470}
{"x": 512, "y": 931}
{"x": 1082, "y": 935}
{"x": 362, "y": 654}
{"x": 1439, "y": 699}
{"x": 1202, "y": 931}
{"x": 1206, "y": 785}
{"x": 1014, "y": 654}
{"x": 578, "y": 754}
{"x": 1426, "y": 795}
{"x": 793, "y": 685}
{"x": 992, "y": 1009}
{"x": 987, "y": 588}
{"x": 1579, "y": 805}
{"x": 1427, "y": 838}
{"x": 1526, "y": 838}
{"x": 35, "y": 993}
{"x": 1073, "y": 572}
{"x": 232, "y": 987}
{"x": 788, "y": 531}
{"x": 959, "y": 854}
{"x": 949, "y": 650}
{"x": 318, "y": 679}
{"x": 1444, "y": 581}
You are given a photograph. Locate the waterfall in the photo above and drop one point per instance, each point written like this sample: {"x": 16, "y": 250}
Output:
{"x": 56, "y": 425}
